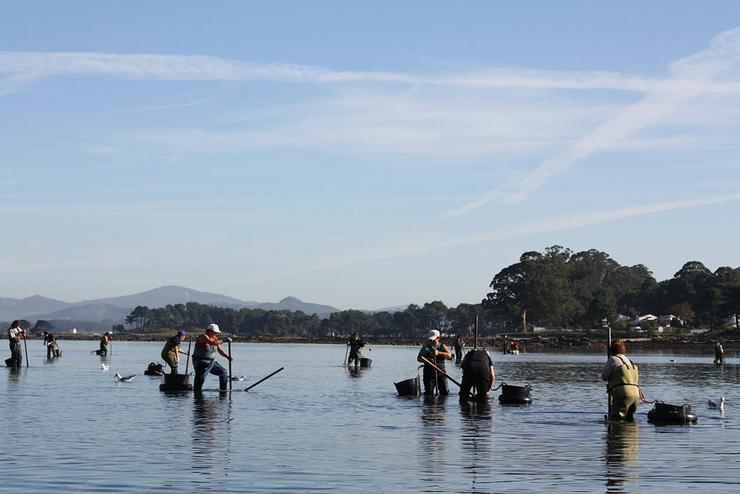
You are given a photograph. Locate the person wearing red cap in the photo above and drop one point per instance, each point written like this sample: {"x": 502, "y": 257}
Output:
{"x": 204, "y": 358}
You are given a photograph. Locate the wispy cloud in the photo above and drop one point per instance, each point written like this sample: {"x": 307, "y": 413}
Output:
{"x": 549, "y": 225}
{"x": 691, "y": 77}
{"x": 37, "y": 65}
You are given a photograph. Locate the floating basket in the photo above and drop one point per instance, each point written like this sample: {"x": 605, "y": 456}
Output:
{"x": 176, "y": 382}
{"x": 409, "y": 387}
{"x": 664, "y": 413}
{"x": 515, "y": 395}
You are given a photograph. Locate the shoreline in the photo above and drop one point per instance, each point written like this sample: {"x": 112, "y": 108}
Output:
{"x": 699, "y": 344}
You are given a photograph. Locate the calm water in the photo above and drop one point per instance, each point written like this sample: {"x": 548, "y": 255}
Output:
{"x": 317, "y": 427}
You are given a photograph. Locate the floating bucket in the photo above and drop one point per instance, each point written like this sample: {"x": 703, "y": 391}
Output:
{"x": 664, "y": 413}
{"x": 365, "y": 362}
{"x": 409, "y": 387}
{"x": 516, "y": 395}
{"x": 9, "y": 362}
{"x": 176, "y": 382}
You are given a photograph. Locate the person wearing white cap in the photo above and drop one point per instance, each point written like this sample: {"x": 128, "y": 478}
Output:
{"x": 436, "y": 352}
{"x": 204, "y": 358}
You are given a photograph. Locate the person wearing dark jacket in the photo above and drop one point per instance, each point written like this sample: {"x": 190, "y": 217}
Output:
{"x": 15, "y": 335}
{"x": 436, "y": 352}
{"x": 478, "y": 374}
{"x": 355, "y": 344}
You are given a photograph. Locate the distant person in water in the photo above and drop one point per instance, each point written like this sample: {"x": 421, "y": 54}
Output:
{"x": 622, "y": 383}
{"x": 478, "y": 374}
{"x": 719, "y": 353}
{"x": 207, "y": 345}
{"x": 435, "y": 352}
{"x": 104, "y": 341}
{"x": 52, "y": 349}
{"x": 171, "y": 351}
{"x": 459, "y": 344}
{"x": 355, "y": 344}
{"x": 15, "y": 335}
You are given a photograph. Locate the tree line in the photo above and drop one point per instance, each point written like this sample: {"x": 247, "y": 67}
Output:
{"x": 559, "y": 288}
{"x": 555, "y": 288}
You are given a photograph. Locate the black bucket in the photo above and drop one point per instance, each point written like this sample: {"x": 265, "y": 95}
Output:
{"x": 9, "y": 362}
{"x": 664, "y": 413}
{"x": 176, "y": 382}
{"x": 515, "y": 395}
{"x": 365, "y": 362}
{"x": 409, "y": 387}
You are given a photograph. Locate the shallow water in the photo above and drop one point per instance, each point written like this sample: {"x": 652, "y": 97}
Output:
{"x": 317, "y": 427}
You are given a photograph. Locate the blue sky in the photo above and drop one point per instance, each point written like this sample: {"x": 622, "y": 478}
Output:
{"x": 360, "y": 154}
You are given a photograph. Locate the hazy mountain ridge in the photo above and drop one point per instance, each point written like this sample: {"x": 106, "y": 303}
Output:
{"x": 113, "y": 310}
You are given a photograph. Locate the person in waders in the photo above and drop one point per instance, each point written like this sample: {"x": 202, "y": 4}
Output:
{"x": 355, "y": 344}
{"x": 171, "y": 350}
{"x": 207, "y": 345}
{"x": 478, "y": 374}
{"x": 719, "y": 353}
{"x": 459, "y": 344}
{"x": 436, "y": 352}
{"x": 104, "y": 340}
{"x": 622, "y": 383}
{"x": 52, "y": 349}
{"x": 15, "y": 335}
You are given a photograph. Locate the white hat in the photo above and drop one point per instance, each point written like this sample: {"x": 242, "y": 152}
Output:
{"x": 214, "y": 328}
{"x": 433, "y": 335}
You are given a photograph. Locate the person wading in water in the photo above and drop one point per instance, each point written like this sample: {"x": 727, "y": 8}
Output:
{"x": 436, "y": 352}
{"x": 622, "y": 383}
{"x": 207, "y": 345}
{"x": 170, "y": 352}
{"x": 355, "y": 344}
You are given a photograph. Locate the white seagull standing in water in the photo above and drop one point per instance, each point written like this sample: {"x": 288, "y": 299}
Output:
{"x": 719, "y": 404}
{"x": 125, "y": 379}
{"x": 103, "y": 367}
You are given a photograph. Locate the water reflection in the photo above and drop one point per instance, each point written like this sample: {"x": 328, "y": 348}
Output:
{"x": 432, "y": 441}
{"x": 354, "y": 371}
{"x": 621, "y": 456}
{"x": 211, "y": 436}
{"x": 475, "y": 439}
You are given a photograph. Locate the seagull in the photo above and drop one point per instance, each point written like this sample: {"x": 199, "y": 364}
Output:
{"x": 125, "y": 379}
{"x": 673, "y": 360}
{"x": 719, "y": 404}
{"x": 103, "y": 367}
{"x": 241, "y": 378}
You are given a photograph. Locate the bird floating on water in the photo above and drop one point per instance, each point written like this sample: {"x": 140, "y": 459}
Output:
{"x": 125, "y": 379}
{"x": 103, "y": 367}
{"x": 240, "y": 378}
{"x": 719, "y": 404}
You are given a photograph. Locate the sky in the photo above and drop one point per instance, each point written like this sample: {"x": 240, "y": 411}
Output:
{"x": 360, "y": 154}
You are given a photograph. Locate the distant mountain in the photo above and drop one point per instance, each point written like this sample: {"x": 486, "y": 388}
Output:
{"x": 22, "y": 308}
{"x": 113, "y": 310}
{"x": 170, "y": 295}
{"x": 99, "y": 313}
{"x": 294, "y": 304}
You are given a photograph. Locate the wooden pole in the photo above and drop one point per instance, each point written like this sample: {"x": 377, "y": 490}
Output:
{"x": 475, "y": 337}
{"x": 25, "y": 346}
{"x": 441, "y": 371}
{"x": 264, "y": 378}
{"x": 346, "y": 353}
{"x": 230, "y": 381}
{"x": 187, "y": 357}
{"x": 608, "y": 393}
